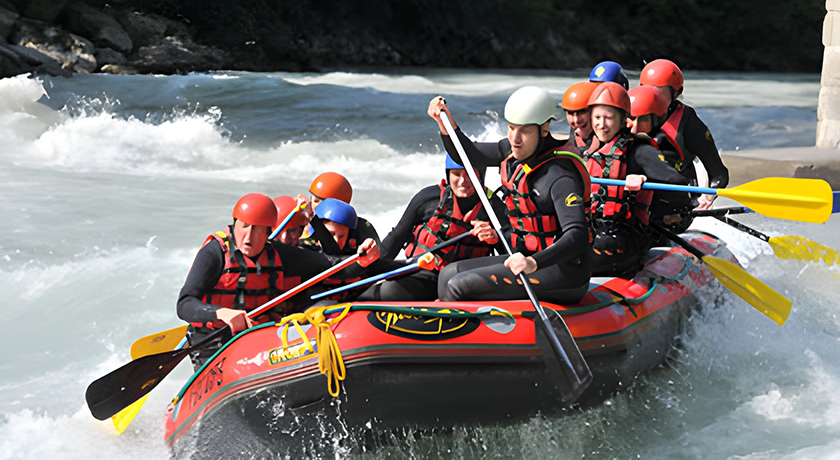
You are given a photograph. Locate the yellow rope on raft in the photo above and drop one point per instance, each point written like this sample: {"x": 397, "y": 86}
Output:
{"x": 330, "y": 362}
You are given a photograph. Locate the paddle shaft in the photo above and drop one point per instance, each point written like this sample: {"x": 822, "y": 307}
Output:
{"x": 743, "y": 228}
{"x": 497, "y": 226}
{"x": 410, "y": 267}
{"x": 284, "y": 223}
{"x": 718, "y": 212}
{"x": 658, "y": 186}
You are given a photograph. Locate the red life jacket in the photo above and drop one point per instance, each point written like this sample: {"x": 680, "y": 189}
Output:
{"x": 446, "y": 223}
{"x": 609, "y": 202}
{"x": 673, "y": 130}
{"x": 532, "y": 231}
{"x": 244, "y": 284}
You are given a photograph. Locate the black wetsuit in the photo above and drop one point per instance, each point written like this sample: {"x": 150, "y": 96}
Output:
{"x": 620, "y": 246}
{"x": 697, "y": 142}
{"x": 667, "y": 203}
{"x": 422, "y": 284}
{"x": 298, "y": 265}
{"x": 563, "y": 268}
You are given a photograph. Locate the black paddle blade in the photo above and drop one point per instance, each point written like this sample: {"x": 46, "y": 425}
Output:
{"x": 115, "y": 391}
{"x": 571, "y": 384}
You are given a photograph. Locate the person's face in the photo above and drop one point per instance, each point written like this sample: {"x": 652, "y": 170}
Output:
{"x": 580, "y": 121}
{"x": 249, "y": 239}
{"x": 293, "y": 231}
{"x": 642, "y": 124}
{"x": 460, "y": 183}
{"x": 314, "y": 201}
{"x": 338, "y": 231}
{"x": 606, "y": 122}
{"x": 524, "y": 140}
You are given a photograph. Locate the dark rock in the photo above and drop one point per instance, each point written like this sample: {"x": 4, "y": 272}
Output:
{"x": 71, "y": 51}
{"x": 106, "y": 56}
{"x": 9, "y": 6}
{"x": 144, "y": 29}
{"x": 21, "y": 59}
{"x": 100, "y": 28}
{"x": 178, "y": 55}
{"x": 10, "y": 63}
{"x": 7, "y": 21}
{"x": 44, "y": 10}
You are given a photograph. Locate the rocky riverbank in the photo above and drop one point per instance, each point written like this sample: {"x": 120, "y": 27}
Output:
{"x": 175, "y": 36}
{"x": 60, "y": 37}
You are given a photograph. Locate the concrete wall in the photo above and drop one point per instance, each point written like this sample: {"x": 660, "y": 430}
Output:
{"x": 828, "y": 111}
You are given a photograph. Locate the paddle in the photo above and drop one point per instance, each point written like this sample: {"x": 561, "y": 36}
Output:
{"x": 124, "y": 417}
{"x": 158, "y": 342}
{"x": 415, "y": 263}
{"x": 790, "y": 247}
{"x": 737, "y": 280}
{"x": 286, "y": 221}
{"x": 806, "y": 200}
{"x": 114, "y": 391}
{"x": 562, "y": 356}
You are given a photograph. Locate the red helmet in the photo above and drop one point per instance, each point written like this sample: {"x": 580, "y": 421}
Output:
{"x": 285, "y": 205}
{"x": 256, "y": 209}
{"x": 577, "y": 96}
{"x": 612, "y": 94}
{"x": 331, "y": 185}
{"x": 662, "y": 72}
{"x": 646, "y": 100}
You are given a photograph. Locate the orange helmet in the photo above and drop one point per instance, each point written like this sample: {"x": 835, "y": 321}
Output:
{"x": 256, "y": 209}
{"x": 662, "y": 72}
{"x": 331, "y": 185}
{"x": 612, "y": 94}
{"x": 577, "y": 96}
{"x": 646, "y": 100}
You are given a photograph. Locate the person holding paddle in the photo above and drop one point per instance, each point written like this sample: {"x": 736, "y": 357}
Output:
{"x": 684, "y": 128}
{"x": 237, "y": 270}
{"x": 545, "y": 187}
{"x": 334, "y": 185}
{"x": 332, "y": 224}
{"x": 436, "y": 214}
{"x": 647, "y": 113}
{"x": 618, "y": 217}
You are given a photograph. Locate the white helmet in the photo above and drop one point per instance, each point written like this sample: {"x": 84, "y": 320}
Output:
{"x": 530, "y": 106}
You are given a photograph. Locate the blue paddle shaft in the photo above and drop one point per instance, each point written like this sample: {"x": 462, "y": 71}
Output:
{"x": 656, "y": 186}
{"x": 365, "y": 281}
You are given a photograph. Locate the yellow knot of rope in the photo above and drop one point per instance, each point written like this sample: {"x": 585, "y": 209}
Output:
{"x": 330, "y": 362}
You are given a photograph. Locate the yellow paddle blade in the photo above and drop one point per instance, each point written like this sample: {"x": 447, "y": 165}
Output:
{"x": 158, "y": 342}
{"x": 749, "y": 288}
{"x": 805, "y": 200}
{"x": 122, "y": 418}
{"x": 801, "y": 248}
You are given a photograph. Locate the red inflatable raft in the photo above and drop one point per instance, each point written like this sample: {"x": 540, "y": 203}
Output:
{"x": 371, "y": 367}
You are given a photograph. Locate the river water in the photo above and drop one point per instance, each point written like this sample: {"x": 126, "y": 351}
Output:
{"x": 109, "y": 184}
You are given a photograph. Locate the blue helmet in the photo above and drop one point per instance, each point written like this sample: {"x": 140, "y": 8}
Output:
{"x": 450, "y": 163}
{"x": 337, "y": 211}
{"x": 609, "y": 71}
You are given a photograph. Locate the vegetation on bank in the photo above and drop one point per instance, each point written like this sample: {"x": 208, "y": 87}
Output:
{"x": 744, "y": 35}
